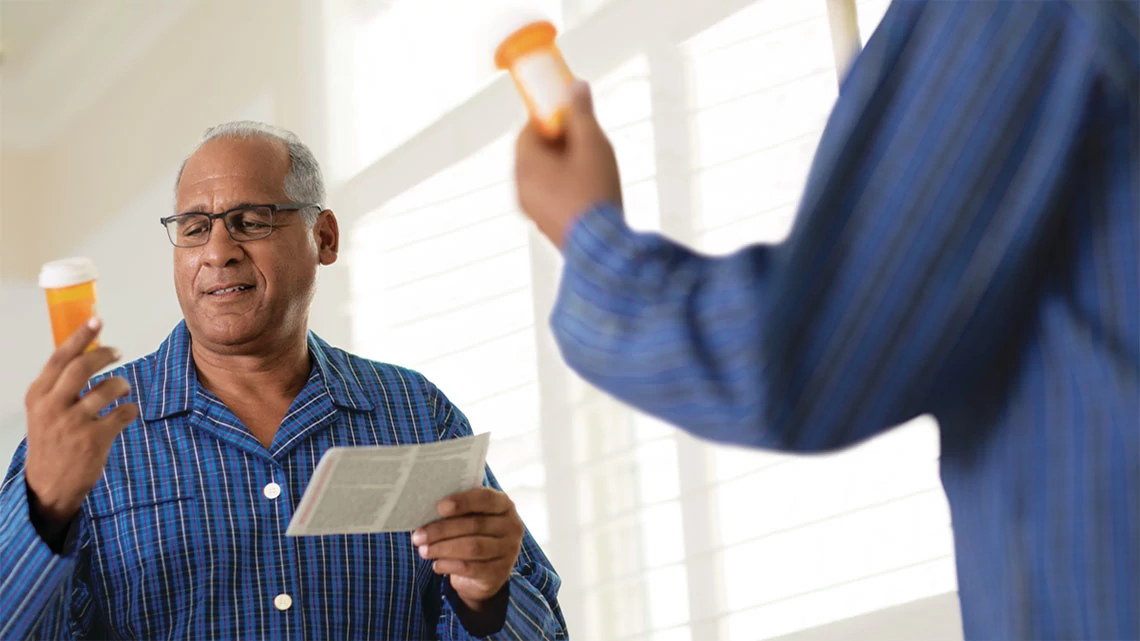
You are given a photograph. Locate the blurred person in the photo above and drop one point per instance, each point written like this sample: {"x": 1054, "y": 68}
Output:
{"x": 966, "y": 247}
{"x": 154, "y": 505}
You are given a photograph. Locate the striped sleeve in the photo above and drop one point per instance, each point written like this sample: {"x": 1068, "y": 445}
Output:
{"x": 533, "y": 612}
{"x": 529, "y": 616}
{"x": 936, "y": 189}
{"x": 39, "y": 590}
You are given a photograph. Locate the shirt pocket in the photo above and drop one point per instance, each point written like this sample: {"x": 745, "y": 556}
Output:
{"x": 144, "y": 558}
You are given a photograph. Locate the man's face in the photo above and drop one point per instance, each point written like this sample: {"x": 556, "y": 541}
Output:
{"x": 247, "y": 297}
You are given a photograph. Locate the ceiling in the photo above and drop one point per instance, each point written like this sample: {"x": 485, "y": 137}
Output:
{"x": 24, "y": 23}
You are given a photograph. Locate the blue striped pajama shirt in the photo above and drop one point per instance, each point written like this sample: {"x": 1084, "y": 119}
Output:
{"x": 179, "y": 539}
{"x": 966, "y": 247}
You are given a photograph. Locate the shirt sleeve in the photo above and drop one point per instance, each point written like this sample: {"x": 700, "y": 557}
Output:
{"x": 42, "y": 594}
{"x": 936, "y": 191}
{"x": 532, "y": 611}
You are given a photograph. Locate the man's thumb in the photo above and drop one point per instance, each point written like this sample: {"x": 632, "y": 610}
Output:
{"x": 581, "y": 103}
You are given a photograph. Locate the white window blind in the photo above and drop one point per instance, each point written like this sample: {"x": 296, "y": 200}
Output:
{"x": 634, "y": 577}
{"x": 763, "y": 84}
{"x": 442, "y": 284}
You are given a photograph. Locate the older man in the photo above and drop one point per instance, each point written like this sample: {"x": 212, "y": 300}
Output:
{"x": 152, "y": 503}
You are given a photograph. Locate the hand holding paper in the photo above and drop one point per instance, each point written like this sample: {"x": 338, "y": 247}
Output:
{"x": 477, "y": 543}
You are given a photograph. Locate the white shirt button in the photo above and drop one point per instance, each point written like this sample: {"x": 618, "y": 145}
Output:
{"x": 271, "y": 491}
{"x": 282, "y": 602}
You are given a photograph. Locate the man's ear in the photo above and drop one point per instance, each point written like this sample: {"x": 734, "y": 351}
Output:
{"x": 326, "y": 231}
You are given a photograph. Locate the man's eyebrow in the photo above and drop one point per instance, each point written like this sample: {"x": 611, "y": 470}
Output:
{"x": 201, "y": 209}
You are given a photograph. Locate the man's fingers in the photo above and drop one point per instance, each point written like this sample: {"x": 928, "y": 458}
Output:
{"x": 102, "y": 395}
{"x": 117, "y": 420}
{"x": 488, "y": 570}
{"x": 580, "y": 117}
{"x": 468, "y": 548}
{"x": 481, "y": 500}
{"x": 80, "y": 370}
{"x": 529, "y": 136}
{"x": 475, "y": 525}
{"x": 534, "y": 146}
{"x": 581, "y": 99}
{"x": 67, "y": 351}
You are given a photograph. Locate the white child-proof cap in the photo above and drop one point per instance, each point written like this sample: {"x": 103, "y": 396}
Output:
{"x": 67, "y": 273}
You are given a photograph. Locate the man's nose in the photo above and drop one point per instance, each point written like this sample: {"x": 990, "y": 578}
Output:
{"x": 221, "y": 249}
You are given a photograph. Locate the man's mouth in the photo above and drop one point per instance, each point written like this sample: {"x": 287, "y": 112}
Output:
{"x": 233, "y": 289}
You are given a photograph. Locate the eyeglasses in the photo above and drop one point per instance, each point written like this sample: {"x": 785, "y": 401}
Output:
{"x": 244, "y": 223}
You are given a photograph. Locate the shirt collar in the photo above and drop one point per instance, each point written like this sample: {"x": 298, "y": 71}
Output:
{"x": 338, "y": 375}
{"x": 173, "y": 382}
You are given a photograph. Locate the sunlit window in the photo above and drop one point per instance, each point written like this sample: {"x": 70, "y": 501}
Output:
{"x": 442, "y": 285}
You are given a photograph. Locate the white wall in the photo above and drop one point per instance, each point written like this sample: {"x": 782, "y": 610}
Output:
{"x": 136, "y": 301}
{"x": 24, "y": 341}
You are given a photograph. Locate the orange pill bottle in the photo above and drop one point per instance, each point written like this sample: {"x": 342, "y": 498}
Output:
{"x": 70, "y": 288}
{"x": 539, "y": 71}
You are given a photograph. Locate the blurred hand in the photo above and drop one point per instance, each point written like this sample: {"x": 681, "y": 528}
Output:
{"x": 559, "y": 180}
{"x": 477, "y": 543}
{"x": 67, "y": 441}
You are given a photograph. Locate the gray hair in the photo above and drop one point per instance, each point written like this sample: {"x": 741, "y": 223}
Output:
{"x": 304, "y": 182}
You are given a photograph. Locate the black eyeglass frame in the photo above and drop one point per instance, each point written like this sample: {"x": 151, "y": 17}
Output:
{"x": 273, "y": 209}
